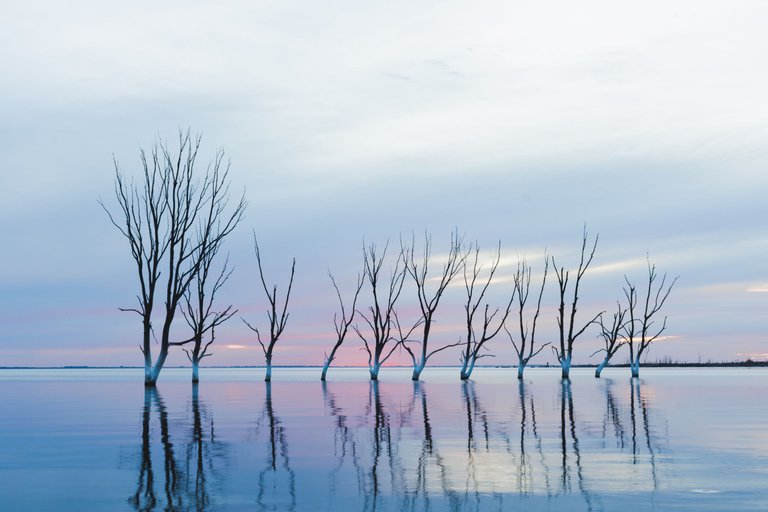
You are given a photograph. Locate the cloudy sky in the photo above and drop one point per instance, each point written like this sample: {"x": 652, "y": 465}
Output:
{"x": 513, "y": 121}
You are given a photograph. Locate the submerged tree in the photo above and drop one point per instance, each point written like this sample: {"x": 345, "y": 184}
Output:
{"x": 199, "y": 297}
{"x": 277, "y": 313}
{"x": 159, "y": 218}
{"x": 639, "y": 330}
{"x": 381, "y": 317}
{"x": 566, "y": 322}
{"x": 612, "y": 337}
{"x": 477, "y": 337}
{"x": 201, "y": 317}
{"x": 341, "y": 323}
{"x": 428, "y": 302}
{"x": 525, "y": 347}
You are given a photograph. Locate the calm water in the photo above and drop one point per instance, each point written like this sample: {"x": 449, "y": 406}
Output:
{"x": 96, "y": 440}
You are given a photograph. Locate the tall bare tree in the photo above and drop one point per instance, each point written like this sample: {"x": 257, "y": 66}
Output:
{"x": 566, "y": 322}
{"x": 382, "y": 316}
{"x": 639, "y": 330}
{"x": 277, "y": 313}
{"x": 199, "y": 297}
{"x": 525, "y": 346}
{"x": 342, "y": 322}
{"x": 612, "y": 336}
{"x": 428, "y": 302}
{"x": 477, "y": 336}
{"x": 159, "y": 218}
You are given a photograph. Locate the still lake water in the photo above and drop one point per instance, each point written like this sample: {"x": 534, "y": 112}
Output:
{"x": 678, "y": 439}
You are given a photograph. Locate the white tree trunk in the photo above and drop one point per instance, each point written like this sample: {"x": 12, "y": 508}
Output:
{"x": 466, "y": 371}
{"x": 374, "y": 371}
{"x": 600, "y": 367}
{"x": 148, "y": 381}
{"x": 195, "y": 371}
{"x": 417, "y": 369}
{"x": 325, "y": 369}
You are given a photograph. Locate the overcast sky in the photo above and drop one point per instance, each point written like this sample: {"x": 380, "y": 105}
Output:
{"x": 513, "y": 121}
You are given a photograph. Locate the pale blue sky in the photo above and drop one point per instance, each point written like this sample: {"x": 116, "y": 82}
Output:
{"x": 518, "y": 121}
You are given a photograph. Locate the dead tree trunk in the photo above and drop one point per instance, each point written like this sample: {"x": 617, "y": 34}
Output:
{"x": 343, "y": 323}
{"x": 478, "y": 337}
{"x": 566, "y": 322}
{"x": 277, "y": 313}
{"x": 641, "y": 325}
{"x": 428, "y": 303}
{"x": 526, "y": 348}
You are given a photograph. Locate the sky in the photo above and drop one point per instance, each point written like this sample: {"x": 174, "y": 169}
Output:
{"x": 345, "y": 123}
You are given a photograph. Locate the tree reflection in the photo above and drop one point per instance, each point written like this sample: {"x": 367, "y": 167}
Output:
{"x": 344, "y": 440}
{"x": 186, "y": 484}
{"x": 529, "y": 427}
{"x": 568, "y": 436}
{"x": 612, "y": 416}
{"x": 430, "y": 458}
{"x": 203, "y": 454}
{"x": 277, "y": 479}
{"x": 398, "y": 453}
{"x": 641, "y": 429}
{"x": 145, "y": 498}
{"x": 387, "y": 473}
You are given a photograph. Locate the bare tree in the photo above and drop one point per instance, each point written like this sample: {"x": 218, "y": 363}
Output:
{"x": 159, "y": 218}
{"x": 341, "y": 323}
{"x": 525, "y": 347}
{"x": 428, "y": 302}
{"x": 277, "y": 313}
{"x": 569, "y": 333}
{"x": 382, "y": 317}
{"x": 199, "y": 297}
{"x": 478, "y": 337}
{"x": 612, "y": 336}
{"x": 199, "y": 313}
{"x": 639, "y": 330}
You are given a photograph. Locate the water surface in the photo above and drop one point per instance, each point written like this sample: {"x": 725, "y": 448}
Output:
{"x": 677, "y": 439}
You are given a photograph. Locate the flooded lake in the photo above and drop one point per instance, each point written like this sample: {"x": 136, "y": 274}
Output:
{"x": 677, "y": 439}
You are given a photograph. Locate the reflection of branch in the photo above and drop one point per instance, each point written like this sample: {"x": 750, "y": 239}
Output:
{"x": 525, "y": 471}
{"x": 537, "y": 437}
{"x": 429, "y": 451}
{"x": 144, "y": 497}
{"x": 196, "y": 451}
{"x": 277, "y": 459}
{"x": 612, "y": 416}
{"x": 635, "y": 390}
{"x": 342, "y": 435}
{"x": 566, "y": 412}
{"x": 203, "y": 451}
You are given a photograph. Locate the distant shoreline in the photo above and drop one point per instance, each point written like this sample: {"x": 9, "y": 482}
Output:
{"x": 708, "y": 364}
